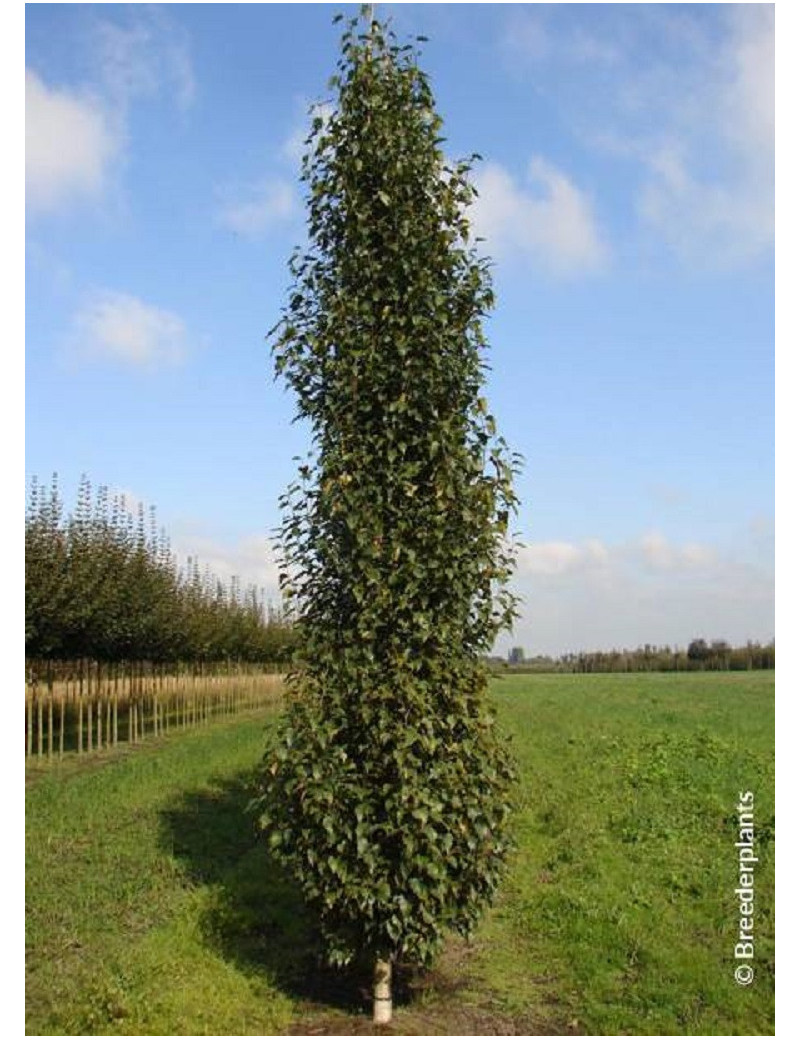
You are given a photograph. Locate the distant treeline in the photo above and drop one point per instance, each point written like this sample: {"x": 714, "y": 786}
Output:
{"x": 102, "y": 583}
{"x": 698, "y": 656}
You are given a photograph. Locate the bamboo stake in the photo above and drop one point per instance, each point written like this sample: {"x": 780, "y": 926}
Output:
{"x": 50, "y": 695}
{"x": 136, "y": 687}
{"x": 80, "y": 708}
{"x": 98, "y": 707}
{"x": 89, "y": 711}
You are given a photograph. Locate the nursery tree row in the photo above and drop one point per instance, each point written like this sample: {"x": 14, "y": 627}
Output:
{"x": 102, "y": 582}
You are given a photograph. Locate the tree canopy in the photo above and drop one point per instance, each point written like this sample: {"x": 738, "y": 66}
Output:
{"x": 103, "y": 583}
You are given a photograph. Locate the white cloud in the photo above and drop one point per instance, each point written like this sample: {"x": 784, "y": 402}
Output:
{"x": 252, "y": 559}
{"x": 761, "y": 531}
{"x": 687, "y": 96}
{"x": 548, "y": 221}
{"x": 75, "y": 136}
{"x": 659, "y": 554}
{"x": 293, "y": 148}
{"x": 49, "y": 265}
{"x": 70, "y": 143}
{"x": 747, "y": 97}
{"x": 708, "y": 185}
{"x": 584, "y": 47}
{"x": 594, "y": 595}
{"x": 146, "y": 55}
{"x": 252, "y": 211}
{"x": 558, "y": 557}
{"x": 528, "y": 41}
{"x": 596, "y": 552}
{"x": 119, "y": 327}
{"x": 709, "y": 223}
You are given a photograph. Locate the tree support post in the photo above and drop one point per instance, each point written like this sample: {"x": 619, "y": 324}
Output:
{"x": 382, "y": 993}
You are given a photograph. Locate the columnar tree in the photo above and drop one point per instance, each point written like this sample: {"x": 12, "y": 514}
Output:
{"x": 387, "y": 791}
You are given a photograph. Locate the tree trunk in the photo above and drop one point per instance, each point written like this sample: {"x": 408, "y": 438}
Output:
{"x": 382, "y": 992}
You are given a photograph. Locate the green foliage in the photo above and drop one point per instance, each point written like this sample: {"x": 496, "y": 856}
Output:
{"x": 388, "y": 792}
{"x": 103, "y": 584}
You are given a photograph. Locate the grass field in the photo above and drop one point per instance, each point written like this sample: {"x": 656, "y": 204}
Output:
{"x": 151, "y": 910}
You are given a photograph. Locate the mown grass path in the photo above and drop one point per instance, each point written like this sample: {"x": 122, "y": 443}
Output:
{"x": 152, "y": 910}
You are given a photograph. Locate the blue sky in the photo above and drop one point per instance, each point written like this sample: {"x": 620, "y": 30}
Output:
{"x": 626, "y": 198}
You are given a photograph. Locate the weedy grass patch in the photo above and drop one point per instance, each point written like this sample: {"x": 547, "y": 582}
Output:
{"x": 152, "y": 909}
{"x": 620, "y": 907}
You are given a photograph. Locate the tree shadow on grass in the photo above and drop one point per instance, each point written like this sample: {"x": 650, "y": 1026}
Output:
{"x": 256, "y": 917}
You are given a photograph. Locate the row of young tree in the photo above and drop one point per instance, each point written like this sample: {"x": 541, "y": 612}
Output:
{"x": 700, "y": 655}
{"x": 102, "y": 583}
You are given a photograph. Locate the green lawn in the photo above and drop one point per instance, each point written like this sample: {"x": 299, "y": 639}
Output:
{"x": 151, "y": 909}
